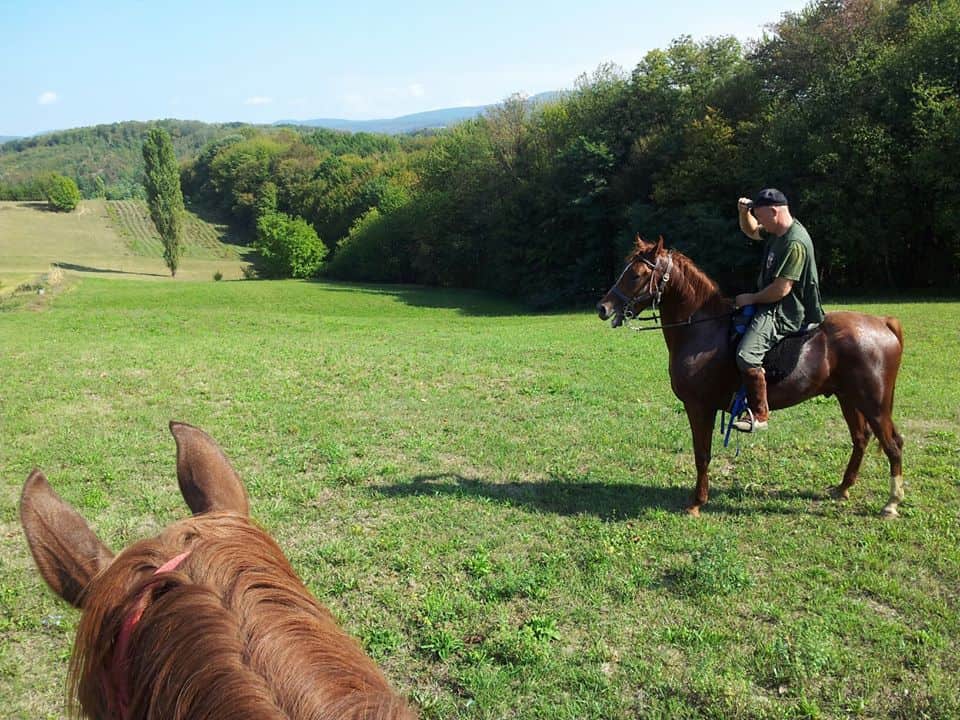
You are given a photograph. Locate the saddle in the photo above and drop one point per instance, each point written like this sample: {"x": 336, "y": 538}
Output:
{"x": 780, "y": 361}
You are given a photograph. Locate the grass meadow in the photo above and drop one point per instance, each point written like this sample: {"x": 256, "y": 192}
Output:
{"x": 107, "y": 239}
{"x": 490, "y": 500}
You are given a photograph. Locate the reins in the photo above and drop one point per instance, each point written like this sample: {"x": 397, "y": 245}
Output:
{"x": 630, "y": 318}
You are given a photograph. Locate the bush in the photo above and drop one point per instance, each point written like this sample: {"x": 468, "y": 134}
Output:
{"x": 376, "y": 249}
{"x": 289, "y": 246}
{"x": 62, "y": 193}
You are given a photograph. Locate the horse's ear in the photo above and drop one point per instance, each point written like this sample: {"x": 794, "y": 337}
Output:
{"x": 642, "y": 245}
{"x": 659, "y": 248}
{"x": 207, "y": 480}
{"x": 67, "y": 552}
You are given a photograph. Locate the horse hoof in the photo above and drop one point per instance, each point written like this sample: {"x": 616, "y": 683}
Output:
{"x": 838, "y": 493}
{"x": 889, "y": 512}
{"x": 693, "y": 511}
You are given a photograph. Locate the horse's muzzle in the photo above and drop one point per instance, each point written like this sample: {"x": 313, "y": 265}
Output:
{"x": 605, "y": 310}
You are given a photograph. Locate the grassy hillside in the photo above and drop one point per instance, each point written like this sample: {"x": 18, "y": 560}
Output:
{"x": 131, "y": 219}
{"x": 490, "y": 500}
{"x": 105, "y": 238}
{"x": 113, "y": 152}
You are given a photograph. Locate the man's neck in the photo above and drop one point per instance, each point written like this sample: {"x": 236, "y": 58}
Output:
{"x": 781, "y": 229}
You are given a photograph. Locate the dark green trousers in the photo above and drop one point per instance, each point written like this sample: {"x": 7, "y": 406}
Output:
{"x": 759, "y": 339}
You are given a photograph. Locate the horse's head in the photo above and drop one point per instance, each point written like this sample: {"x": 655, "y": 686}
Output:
{"x": 68, "y": 553}
{"x": 207, "y": 619}
{"x": 638, "y": 284}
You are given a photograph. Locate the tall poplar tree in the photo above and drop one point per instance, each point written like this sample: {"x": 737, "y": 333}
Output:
{"x": 164, "y": 195}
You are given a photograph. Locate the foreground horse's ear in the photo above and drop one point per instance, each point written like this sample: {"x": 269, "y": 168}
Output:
{"x": 659, "y": 248}
{"x": 207, "y": 480}
{"x": 67, "y": 552}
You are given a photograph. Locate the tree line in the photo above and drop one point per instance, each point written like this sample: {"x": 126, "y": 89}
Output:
{"x": 103, "y": 160}
{"x": 851, "y": 107}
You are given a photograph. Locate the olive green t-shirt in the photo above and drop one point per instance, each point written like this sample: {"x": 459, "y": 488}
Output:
{"x": 791, "y": 256}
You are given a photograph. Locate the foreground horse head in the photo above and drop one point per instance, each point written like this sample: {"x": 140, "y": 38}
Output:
{"x": 854, "y": 356}
{"x": 206, "y": 620}
{"x": 640, "y": 284}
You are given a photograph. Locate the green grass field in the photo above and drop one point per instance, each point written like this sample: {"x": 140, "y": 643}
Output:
{"x": 106, "y": 238}
{"x": 491, "y": 500}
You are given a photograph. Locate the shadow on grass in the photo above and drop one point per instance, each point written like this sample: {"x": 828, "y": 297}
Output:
{"x": 475, "y": 303}
{"x": 608, "y": 501}
{"x": 39, "y": 206}
{"x": 615, "y": 501}
{"x": 87, "y": 268}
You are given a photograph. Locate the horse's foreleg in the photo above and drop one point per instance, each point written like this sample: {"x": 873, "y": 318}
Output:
{"x": 860, "y": 435}
{"x": 701, "y": 425}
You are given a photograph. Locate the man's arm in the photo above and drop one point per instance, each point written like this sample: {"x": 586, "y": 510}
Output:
{"x": 772, "y": 293}
{"x": 748, "y": 223}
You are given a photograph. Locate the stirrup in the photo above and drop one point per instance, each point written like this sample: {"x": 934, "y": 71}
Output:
{"x": 750, "y": 423}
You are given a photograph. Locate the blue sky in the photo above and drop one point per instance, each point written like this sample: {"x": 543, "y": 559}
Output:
{"x": 71, "y": 64}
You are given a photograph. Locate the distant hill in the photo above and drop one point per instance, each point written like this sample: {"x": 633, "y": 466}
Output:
{"x": 430, "y": 120}
{"x": 113, "y": 152}
{"x": 7, "y": 138}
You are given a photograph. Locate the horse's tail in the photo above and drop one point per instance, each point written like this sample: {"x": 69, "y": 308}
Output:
{"x": 895, "y": 327}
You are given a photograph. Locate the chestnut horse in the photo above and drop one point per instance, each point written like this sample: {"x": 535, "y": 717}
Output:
{"x": 851, "y": 355}
{"x": 206, "y": 620}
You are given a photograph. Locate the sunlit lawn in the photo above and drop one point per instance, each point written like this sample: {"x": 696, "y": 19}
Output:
{"x": 88, "y": 242}
{"x": 490, "y": 499}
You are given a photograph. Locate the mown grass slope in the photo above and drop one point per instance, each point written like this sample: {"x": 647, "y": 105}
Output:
{"x": 491, "y": 500}
{"x": 94, "y": 239}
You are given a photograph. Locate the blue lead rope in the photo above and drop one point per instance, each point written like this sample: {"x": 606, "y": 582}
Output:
{"x": 739, "y": 405}
{"x": 741, "y": 324}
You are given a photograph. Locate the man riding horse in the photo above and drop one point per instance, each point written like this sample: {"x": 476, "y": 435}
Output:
{"x": 788, "y": 298}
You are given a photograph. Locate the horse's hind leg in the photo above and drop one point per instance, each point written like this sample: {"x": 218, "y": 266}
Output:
{"x": 892, "y": 444}
{"x": 860, "y": 435}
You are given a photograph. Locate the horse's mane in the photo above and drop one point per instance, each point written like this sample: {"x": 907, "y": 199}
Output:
{"x": 697, "y": 288}
{"x": 231, "y": 632}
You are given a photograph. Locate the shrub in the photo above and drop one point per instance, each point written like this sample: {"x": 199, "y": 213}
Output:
{"x": 289, "y": 246}
{"x": 62, "y": 193}
{"x": 375, "y": 249}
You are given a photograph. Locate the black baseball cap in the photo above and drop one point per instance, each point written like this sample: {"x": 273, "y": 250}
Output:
{"x": 768, "y": 197}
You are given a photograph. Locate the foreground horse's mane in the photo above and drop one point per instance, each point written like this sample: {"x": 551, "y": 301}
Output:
{"x": 232, "y": 632}
{"x": 698, "y": 287}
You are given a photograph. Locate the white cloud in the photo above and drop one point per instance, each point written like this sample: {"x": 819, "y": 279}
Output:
{"x": 416, "y": 90}
{"x": 258, "y": 100}
{"x": 47, "y": 98}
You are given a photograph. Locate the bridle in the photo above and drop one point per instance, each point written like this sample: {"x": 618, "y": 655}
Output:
{"x": 116, "y": 683}
{"x": 654, "y": 289}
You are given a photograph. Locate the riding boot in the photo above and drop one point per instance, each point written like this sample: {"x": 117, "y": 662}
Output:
{"x": 755, "y": 418}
